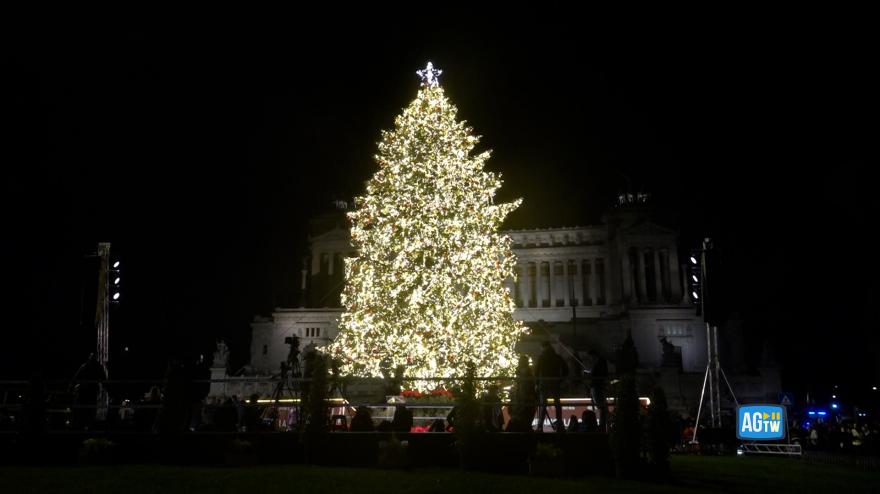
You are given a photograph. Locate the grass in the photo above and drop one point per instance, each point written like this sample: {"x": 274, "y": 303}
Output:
{"x": 692, "y": 474}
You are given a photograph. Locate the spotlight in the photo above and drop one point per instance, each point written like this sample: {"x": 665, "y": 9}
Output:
{"x": 116, "y": 281}
{"x": 116, "y": 296}
{"x": 116, "y": 265}
{"x": 695, "y": 280}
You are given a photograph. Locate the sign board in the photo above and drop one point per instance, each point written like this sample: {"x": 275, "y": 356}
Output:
{"x": 786, "y": 399}
{"x": 760, "y": 422}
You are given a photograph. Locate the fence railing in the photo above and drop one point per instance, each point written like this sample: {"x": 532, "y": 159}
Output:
{"x": 57, "y": 405}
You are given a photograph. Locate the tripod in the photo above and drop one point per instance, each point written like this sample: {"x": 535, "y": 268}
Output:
{"x": 289, "y": 380}
{"x": 714, "y": 373}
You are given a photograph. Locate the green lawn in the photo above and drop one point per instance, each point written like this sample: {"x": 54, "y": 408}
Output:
{"x": 692, "y": 474}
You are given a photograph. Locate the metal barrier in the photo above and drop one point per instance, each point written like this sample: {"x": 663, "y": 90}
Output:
{"x": 63, "y": 413}
{"x": 777, "y": 449}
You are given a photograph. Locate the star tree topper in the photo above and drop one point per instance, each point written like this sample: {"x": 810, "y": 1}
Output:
{"x": 430, "y": 76}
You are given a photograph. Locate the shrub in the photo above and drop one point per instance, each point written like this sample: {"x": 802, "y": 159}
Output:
{"x": 96, "y": 451}
{"x": 393, "y": 453}
{"x": 546, "y": 460}
{"x": 240, "y": 453}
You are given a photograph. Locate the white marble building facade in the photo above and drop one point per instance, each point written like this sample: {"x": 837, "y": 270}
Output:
{"x": 582, "y": 287}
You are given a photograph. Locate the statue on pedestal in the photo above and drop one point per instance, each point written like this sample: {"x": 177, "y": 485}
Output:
{"x": 221, "y": 356}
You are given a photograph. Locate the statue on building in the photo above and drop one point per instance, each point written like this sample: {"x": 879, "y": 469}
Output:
{"x": 221, "y": 356}
{"x": 670, "y": 355}
{"x": 627, "y": 356}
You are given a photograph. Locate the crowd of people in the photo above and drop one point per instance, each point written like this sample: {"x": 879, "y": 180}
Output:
{"x": 837, "y": 435}
{"x": 183, "y": 404}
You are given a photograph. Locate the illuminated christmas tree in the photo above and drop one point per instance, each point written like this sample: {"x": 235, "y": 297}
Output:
{"x": 426, "y": 289}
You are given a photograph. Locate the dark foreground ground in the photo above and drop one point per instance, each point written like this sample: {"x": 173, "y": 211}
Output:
{"x": 692, "y": 474}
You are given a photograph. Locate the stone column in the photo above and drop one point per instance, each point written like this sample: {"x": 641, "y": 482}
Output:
{"x": 511, "y": 287}
{"x": 626, "y": 274}
{"x": 316, "y": 263}
{"x": 674, "y": 279}
{"x": 577, "y": 280}
{"x": 586, "y": 268}
{"x": 658, "y": 279}
{"x": 539, "y": 284}
{"x": 303, "y": 283}
{"x": 643, "y": 283}
{"x": 684, "y": 285}
{"x": 551, "y": 290}
{"x": 566, "y": 287}
{"x": 632, "y": 275}
{"x": 594, "y": 282}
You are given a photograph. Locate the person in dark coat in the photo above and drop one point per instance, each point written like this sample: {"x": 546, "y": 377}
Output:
{"x": 490, "y": 404}
{"x": 362, "y": 420}
{"x": 524, "y": 398}
{"x": 403, "y": 419}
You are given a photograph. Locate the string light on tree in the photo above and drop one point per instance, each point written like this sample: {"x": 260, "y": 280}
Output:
{"x": 426, "y": 289}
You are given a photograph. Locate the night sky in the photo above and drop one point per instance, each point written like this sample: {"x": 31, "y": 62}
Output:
{"x": 200, "y": 150}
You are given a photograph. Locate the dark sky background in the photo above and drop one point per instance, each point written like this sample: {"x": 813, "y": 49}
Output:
{"x": 200, "y": 151}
